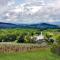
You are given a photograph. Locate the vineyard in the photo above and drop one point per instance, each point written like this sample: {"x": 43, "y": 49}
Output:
{"x": 42, "y": 54}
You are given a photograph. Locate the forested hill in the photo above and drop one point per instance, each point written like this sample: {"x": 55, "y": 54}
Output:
{"x": 39, "y": 25}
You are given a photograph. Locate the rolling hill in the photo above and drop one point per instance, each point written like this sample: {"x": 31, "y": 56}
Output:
{"x": 39, "y": 25}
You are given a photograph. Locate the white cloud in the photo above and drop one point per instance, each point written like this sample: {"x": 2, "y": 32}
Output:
{"x": 32, "y": 11}
{"x": 4, "y": 5}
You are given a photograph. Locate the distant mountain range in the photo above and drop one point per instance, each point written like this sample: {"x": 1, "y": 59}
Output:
{"x": 39, "y": 25}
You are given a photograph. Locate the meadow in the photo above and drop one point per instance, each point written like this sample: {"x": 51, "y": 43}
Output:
{"x": 36, "y": 55}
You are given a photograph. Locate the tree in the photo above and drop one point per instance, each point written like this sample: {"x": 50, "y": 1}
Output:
{"x": 27, "y": 39}
{"x": 21, "y": 39}
{"x": 58, "y": 39}
{"x": 10, "y": 38}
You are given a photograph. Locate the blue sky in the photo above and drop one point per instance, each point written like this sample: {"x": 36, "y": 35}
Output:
{"x": 20, "y": 1}
{"x": 30, "y": 11}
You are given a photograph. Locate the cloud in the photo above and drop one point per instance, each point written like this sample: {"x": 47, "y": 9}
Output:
{"x": 5, "y": 4}
{"x": 31, "y": 11}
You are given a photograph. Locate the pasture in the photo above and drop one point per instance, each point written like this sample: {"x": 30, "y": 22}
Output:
{"x": 34, "y": 52}
{"x": 36, "y": 55}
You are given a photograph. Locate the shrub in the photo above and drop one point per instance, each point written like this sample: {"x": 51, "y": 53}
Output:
{"x": 27, "y": 39}
{"x": 56, "y": 49}
{"x": 58, "y": 39}
{"x": 2, "y": 37}
{"x": 10, "y": 38}
{"x": 20, "y": 39}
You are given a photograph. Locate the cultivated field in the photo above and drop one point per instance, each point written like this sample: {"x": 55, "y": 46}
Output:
{"x": 6, "y": 47}
{"x": 43, "y": 54}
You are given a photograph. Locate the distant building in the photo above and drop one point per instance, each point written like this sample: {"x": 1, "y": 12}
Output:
{"x": 39, "y": 38}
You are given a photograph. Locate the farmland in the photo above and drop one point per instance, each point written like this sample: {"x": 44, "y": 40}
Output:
{"x": 35, "y": 55}
{"x": 15, "y": 44}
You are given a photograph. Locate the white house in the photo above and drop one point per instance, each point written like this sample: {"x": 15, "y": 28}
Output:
{"x": 39, "y": 38}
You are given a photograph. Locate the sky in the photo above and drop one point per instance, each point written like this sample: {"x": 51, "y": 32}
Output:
{"x": 30, "y": 11}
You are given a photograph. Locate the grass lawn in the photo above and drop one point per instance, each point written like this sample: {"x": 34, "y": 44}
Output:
{"x": 36, "y": 55}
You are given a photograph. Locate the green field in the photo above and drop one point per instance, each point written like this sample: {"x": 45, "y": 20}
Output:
{"x": 37, "y": 55}
{"x": 18, "y": 36}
